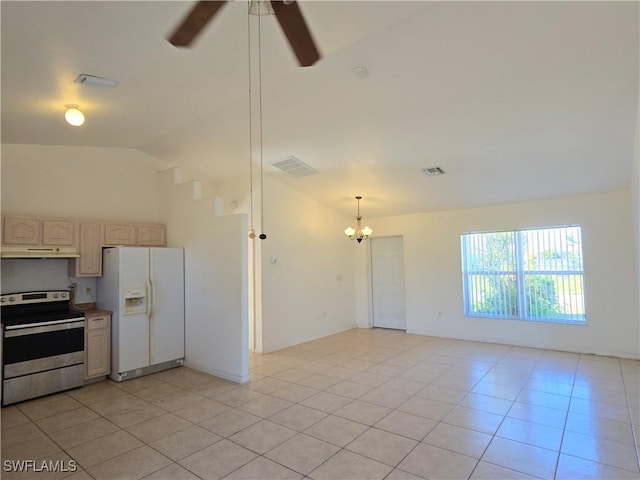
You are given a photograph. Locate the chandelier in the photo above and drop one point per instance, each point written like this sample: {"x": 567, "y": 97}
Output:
{"x": 359, "y": 233}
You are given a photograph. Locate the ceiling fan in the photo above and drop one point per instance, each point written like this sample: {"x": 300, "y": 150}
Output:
{"x": 287, "y": 12}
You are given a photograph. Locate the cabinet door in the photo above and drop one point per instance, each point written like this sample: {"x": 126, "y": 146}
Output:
{"x": 152, "y": 236}
{"x": 119, "y": 234}
{"x": 21, "y": 231}
{"x": 97, "y": 347}
{"x": 58, "y": 232}
{"x": 90, "y": 249}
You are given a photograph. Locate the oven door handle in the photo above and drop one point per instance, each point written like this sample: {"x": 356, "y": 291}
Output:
{"x": 33, "y": 328}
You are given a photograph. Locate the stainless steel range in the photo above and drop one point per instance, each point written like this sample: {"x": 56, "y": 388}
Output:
{"x": 42, "y": 345}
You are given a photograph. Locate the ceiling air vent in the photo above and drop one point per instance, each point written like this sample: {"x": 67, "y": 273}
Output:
{"x": 294, "y": 167}
{"x": 433, "y": 171}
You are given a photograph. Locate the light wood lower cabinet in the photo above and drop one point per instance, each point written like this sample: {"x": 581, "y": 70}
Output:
{"x": 97, "y": 345}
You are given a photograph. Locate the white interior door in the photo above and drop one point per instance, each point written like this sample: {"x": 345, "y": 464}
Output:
{"x": 387, "y": 281}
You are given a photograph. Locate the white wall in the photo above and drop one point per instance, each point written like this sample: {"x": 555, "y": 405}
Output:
{"x": 308, "y": 281}
{"x": 635, "y": 191}
{"x": 309, "y": 292}
{"x": 216, "y": 280}
{"x": 235, "y": 198}
{"x": 31, "y": 275}
{"x": 89, "y": 182}
{"x": 434, "y": 279}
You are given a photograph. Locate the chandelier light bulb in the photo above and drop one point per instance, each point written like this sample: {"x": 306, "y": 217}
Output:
{"x": 349, "y": 231}
{"x": 74, "y": 116}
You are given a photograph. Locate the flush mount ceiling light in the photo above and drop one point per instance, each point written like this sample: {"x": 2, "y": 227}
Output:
{"x": 361, "y": 72}
{"x": 73, "y": 115}
{"x": 359, "y": 233}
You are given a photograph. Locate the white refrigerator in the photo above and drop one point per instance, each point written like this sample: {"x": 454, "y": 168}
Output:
{"x": 144, "y": 288}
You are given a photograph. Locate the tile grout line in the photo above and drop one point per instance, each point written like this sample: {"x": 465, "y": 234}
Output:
{"x": 461, "y": 354}
{"x": 493, "y": 436}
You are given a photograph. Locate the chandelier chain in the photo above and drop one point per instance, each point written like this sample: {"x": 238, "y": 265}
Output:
{"x": 261, "y": 137}
{"x": 250, "y": 128}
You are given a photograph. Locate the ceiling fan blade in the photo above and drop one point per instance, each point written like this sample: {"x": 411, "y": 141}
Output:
{"x": 295, "y": 28}
{"x": 194, "y": 22}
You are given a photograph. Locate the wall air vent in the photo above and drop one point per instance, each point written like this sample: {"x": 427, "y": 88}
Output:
{"x": 294, "y": 167}
{"x": 433, "y": 171}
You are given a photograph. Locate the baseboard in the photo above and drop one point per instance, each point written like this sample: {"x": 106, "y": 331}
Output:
{"x": 560, "y": 348}
{"x": 218, "y": 373}
{"x": 351, "y": 327}
{"x": 148, "y": 370}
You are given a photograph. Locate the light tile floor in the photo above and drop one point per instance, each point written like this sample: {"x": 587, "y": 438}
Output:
{"x": 376, "y": 404}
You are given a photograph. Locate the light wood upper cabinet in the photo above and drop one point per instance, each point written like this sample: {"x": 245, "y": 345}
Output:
{"x": 152, "y": 236}
{"x": 135, "y": 235}
{"x": 37, "y": 231}
{"x": 88, "y": 236}
{"x": 21, "y": 231}
{"x": 58, "y": 232}
{"x": 115, "y": 234}
{"x": 90, "y": 249}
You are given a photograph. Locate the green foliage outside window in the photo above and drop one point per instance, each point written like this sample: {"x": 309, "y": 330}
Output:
{"x": 530, "y": 274}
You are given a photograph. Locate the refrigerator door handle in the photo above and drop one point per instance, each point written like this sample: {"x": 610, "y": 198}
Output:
{"x": 152, "y": 353}
{"x": 150, "y": 298}
{"x": 150, "y": 282}
{"x": 150, "y": 321}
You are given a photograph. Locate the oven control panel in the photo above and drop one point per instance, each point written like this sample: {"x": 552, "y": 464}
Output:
{"x": 33, "y": 297}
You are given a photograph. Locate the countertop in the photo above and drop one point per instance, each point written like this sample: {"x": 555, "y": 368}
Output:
{"x": 89, "y": 309}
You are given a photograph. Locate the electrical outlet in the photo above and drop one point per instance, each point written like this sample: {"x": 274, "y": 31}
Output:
{"x": 87, "y": 290}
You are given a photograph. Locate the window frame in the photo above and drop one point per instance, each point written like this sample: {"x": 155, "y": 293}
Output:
{"x": 520, "y": 272}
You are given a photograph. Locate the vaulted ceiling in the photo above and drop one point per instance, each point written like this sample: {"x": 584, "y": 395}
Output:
{"x": 513, "y": 100}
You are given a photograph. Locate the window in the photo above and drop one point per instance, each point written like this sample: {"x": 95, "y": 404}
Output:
{"x": 524, "y": 274}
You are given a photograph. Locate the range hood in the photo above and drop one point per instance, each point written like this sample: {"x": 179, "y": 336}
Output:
{"x": 38, "y": 252}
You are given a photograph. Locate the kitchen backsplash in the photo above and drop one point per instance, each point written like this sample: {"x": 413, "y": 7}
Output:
{"x": 26, "y": 275}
